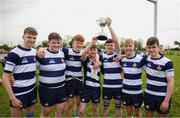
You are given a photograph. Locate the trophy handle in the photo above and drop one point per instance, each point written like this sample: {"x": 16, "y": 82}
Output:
{"x": 98, "y": 22}
{"x": 102, "y": 22}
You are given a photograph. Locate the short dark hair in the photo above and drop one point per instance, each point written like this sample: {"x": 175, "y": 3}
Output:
{"x": 108, "y": 41}
{"x": 31, "y": 31}
{"x": 152, "y": 41}
{"x": 54, "y": 35}
{"x": 39, "y": 46}
{"x": 93, "y": 47}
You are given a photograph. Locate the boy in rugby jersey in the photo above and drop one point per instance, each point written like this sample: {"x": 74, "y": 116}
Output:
{"x": 52, "y": 77}
{"x": 21, "y": 62}
{"x": 73, "y": 74}
{"x": 74, "y": 82}
{"x": 112, "y": 86}
{"x": 132, "y": 65}
{"x": 160, "y": 80}
{"x": 92, "y": 88}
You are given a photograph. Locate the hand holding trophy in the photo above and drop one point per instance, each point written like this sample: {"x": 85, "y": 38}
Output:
{"x": 102, "y": 22}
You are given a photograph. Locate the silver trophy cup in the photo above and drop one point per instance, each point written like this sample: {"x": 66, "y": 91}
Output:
{"x": 102, "y": 22}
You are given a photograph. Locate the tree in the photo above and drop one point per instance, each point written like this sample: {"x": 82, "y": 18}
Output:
{"x": 45, "y": 43}
{"x": 177, "y": 43}
{"x": 5, "y": 47}
{"x": 138, "y": 44}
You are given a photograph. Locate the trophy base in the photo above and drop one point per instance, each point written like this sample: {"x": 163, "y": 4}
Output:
{"x": 102, "y": 37}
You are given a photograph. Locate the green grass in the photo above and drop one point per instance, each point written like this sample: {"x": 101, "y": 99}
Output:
{"x": 4, "y": 100}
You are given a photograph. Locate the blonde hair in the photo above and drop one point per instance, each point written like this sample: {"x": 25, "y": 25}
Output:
{"x": 128, "y": 41}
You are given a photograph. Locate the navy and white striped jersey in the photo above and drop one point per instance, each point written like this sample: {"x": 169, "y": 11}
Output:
{"x": 112, "y": 70}
{"x": 92, "y": 77}
{"x": 52, "y": 69}
{"x": 22, "y": 63}
{"x": 132, "y": 74}
{"x": 157, "y": 71}
{"x": 73, "y": 64}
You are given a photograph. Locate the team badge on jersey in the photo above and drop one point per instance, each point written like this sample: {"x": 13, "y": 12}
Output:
{"x": 134, "y": 65}
{"x": 71, "y": 58}
{"x": 24, "y": 60}
{"x": 52, "y": 61}
{"x": 159, "y": 68}
{"x": 124, "y": 64}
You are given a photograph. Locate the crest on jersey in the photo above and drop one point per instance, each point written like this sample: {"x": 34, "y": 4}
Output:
{"x": 124, "y": 64}
{"x": 159, "y": 68}
{"x": 24, "y": 60}
{"x": 52, "y": 61}
{"x": 71, "y": 58}
{"x": 134, "y": 65}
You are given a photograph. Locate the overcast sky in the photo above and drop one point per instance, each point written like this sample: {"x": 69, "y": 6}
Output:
{"x": 130, "y": 18}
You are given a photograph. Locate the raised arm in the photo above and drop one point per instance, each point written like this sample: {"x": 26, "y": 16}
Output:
{"x": 85, "y": 51}
{"x": 114, "y": 37}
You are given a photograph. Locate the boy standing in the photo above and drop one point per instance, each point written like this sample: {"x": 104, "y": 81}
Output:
{"x": 160, "y": 80}
{"x": 92, "y": 87}
{"x": 52, "y": 77}
{"x": 74, "y": 82}
{"x": 132, "y": 65}
{"x": 21, "y": 61}
{"x": 112, "y": 86}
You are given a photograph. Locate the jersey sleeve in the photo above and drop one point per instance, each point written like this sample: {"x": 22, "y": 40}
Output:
{"x": 143, "y": 60}
{"x": 169, "y": 69}
{"x": 65, "y": 51}
{"x": 101, "y": 67}
{"x": 11, "y": 60}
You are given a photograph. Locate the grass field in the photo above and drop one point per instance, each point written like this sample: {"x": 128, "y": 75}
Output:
{"x": 175, "y": 111}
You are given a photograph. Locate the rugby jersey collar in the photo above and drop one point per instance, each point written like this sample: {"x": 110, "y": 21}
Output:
{"x": 131, "y": 57}
{"x": 25, "y": 49}
{"x": 110, "y": 53}
{"x": 52, "y": 52}
{"x": 75, "y": 51}
{"x": 161, "y": 56}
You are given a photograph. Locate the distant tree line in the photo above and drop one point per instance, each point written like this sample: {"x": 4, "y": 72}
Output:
{"x": 6, "y": 47}
{"x": 178, "y": 44}
{"x": 138, "y": 45}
